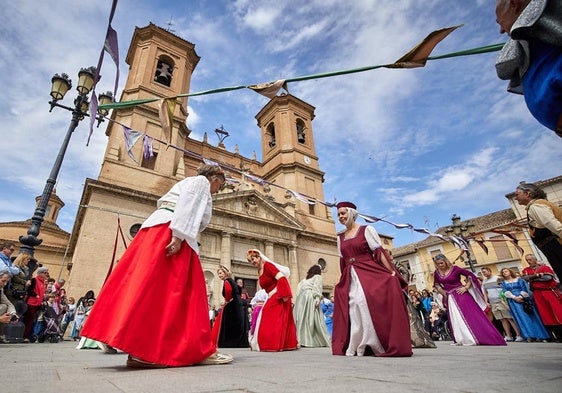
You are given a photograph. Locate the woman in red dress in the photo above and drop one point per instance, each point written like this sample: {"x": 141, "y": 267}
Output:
{"x": 370, "y": 314}
{"x": 547, "y": 295}
{"x": 275, "y": 328}
{"x": 154, "y": 304}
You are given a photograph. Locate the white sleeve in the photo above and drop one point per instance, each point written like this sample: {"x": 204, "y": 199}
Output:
{"x": 317, "y": 286}
{"x": 338, "y": 245}
{"x": 193, "y": 208}
{"x": 373, "y": 238}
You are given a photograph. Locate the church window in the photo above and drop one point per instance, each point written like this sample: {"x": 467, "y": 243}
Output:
{"x": 501, "y": 248}
{"x": 311, "y": 209}
{"x": 149, "y": 163}
{"x": 134, "y": 229}
{"x": 270, "y": 133}
{"x": 164, "y": 70}
{"x": 301, "y": 137}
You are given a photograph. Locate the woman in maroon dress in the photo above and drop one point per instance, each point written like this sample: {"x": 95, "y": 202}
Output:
{"x": 370, "y": 314}
{"x": 154, "y": 304}
{"x": 275, "y": 328}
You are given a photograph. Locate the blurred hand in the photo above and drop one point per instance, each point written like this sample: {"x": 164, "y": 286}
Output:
{"x": 5, "y": 318}
{"x": 174, "y": 246}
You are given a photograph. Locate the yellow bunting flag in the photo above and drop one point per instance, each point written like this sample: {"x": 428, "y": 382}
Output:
{"x": 166, "y": 114}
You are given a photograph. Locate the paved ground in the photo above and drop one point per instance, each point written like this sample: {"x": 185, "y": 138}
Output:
{"x": 519, "y": 367}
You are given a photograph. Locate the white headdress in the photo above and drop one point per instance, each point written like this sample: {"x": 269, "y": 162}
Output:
{"x": 283, "y": 269}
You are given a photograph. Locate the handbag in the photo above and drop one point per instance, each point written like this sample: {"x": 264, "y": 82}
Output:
{"x": 18, "y": 294}
{"x": 528, "y": 305}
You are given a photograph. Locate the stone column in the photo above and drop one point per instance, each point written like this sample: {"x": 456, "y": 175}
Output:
{"x": 269, "y": 251}
{"x": 293, "y": 265}
{"x": 226, "y": 258}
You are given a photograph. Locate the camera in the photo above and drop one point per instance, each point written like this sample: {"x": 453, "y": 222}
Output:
{"x": 14, "y": 318}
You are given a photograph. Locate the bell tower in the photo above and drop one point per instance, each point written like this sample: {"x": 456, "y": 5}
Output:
{"x": 289, "y": 158}
{"x": 161, "y": 65}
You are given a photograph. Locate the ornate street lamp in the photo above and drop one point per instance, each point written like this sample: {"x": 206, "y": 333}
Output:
{"x": 462, "y": 230}
{"x": 60, "y": 86}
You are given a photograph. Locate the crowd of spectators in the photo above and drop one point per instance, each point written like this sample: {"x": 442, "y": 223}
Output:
{"x": 37, "y": 301}
{"x": 524, "y": 306}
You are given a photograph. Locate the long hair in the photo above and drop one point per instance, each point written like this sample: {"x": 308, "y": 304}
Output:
{"x": 512, "y": 273}
{"x": 441, "y": 257}
{"x": 21, "y": 260}
{"x": 313, "y": 271}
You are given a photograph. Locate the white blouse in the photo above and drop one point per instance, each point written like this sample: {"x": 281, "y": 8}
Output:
{"x": 191, "y": 213}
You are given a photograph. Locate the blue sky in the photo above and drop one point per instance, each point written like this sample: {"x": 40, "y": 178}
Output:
{"x": 411, "y": 146}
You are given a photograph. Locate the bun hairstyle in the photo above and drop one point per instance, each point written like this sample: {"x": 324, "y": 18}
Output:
{"x": 210, "y": 170}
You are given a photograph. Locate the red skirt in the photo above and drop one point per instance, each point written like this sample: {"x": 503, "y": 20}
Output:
{"x": 216, "y": 330}
{"x": 275, "y": 330}
{"x": 152, "y": 306}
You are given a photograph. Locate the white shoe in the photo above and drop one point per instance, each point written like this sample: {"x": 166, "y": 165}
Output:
{"x": 106, "y": 348}
{"x": 519, "y": 339}
{"x": 218, "y": 358}
{"x": 509, "y": 339}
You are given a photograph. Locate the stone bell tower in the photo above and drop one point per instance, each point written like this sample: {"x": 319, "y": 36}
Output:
{"x": 289, "y": 158}
{"x": 125, "y": 193}
{"x": 161, "y": 65}
{"x": 278, "y": 221}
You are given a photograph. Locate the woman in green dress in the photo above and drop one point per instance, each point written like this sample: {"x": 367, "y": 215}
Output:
{"x": 309, "y": 318}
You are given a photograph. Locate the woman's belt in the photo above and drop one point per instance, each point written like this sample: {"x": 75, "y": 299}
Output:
{"x": 170, "y": 206}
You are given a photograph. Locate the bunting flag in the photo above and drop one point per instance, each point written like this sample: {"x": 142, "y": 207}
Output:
{"x": 480, "y": 242}
{"x": 256, "y": 179}
{"x": 418, "y": 56}
{"x": 131, "y": 138}
{"x": 269, "y": 89}
{"x": 93, "y": 112}
{"x": 147, "y": 147}
{"x": 303, "y": 198}
{"x": 512, "y": 239}
{"x": 111, "y": 46}
{"x": 210, "y": 162}
{"x": 166, "y": 113}
{"x": 372, "y": 219}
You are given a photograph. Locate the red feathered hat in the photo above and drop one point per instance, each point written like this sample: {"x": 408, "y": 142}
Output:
{"x": 346, "y": 204}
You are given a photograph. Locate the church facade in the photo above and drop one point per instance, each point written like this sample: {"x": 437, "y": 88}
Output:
{"x": 245, "y": 215}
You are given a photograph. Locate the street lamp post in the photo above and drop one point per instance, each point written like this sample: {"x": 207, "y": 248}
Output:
{"x": 60, "y": 85}
{"x": 462, "y": 231}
